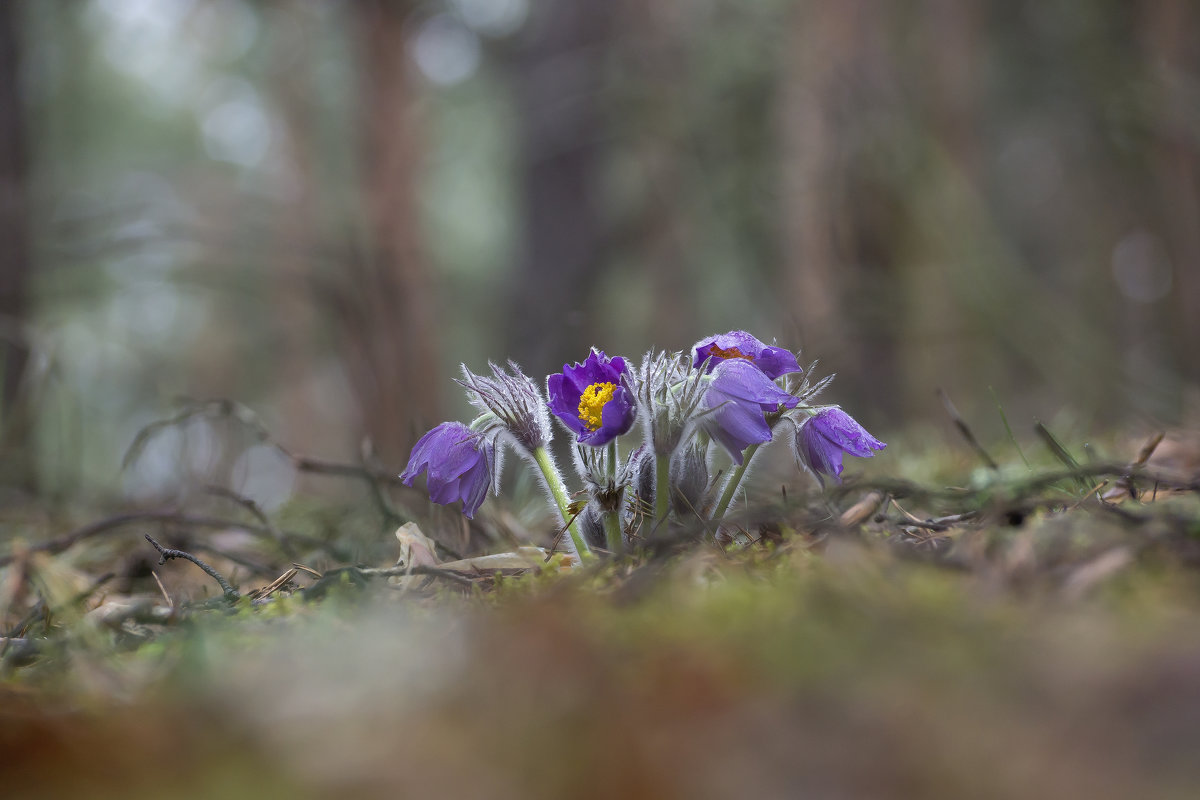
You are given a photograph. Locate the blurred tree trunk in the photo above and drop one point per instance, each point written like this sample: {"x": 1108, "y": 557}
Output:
{"x": 653, "y": 35}
{"x": 1171, "y": 40}
{"x": 15, "y": 265}
{"x": 292, "y": 38}
{"x": 824, "y": 43}
{"x": 839, "y": 231}
{"x": 395, "y": 358}
{"x": 558, "y": 72}
{"x": 941, "y": 291}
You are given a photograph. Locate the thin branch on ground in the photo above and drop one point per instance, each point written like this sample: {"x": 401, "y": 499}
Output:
{"x": 113, "y": 523}
{"x": 228, "y": 409}
{"x": 165, "y": 554}
{"x": 163, "y": 589}
{"x": 1143, "y": 456}
{"x": 377, "y": 477}
{"x": 274, "y": 586}
{"x": 862, "y": 510}
{"x": 417, "y": 569}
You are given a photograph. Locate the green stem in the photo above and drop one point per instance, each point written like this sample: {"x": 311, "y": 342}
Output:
{"x": 662, "y": 487}
{"x": 731, "y": 485}
{"x": 613, "y": 535}
{"x": 559, "y": 491}
{"x": 612, "y": 531}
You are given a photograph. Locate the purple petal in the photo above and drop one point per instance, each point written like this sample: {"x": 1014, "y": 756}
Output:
{"x": 742, "y": 394}
{"x": 776, "y": 361}
{"x": 457, "y": 457}
{"x": 458, "y": 462}
{"x": 564, "y": 401}
{"x": 773, "y": 361}
{"x": 823, "y": 455}
{"x": 823, "y": 440}
{"x": 619, "y": 412}
{"x": 427, "y": 448}
{"x": 742, "y": 380}
{"x": 737, "y": 427}
{"x": 565, "y": 390}
{"x": 844, "y": 432}
{"x": 443, "y": 491}
{"x": 596, "y": 368}
{"x": 475, "y": 486}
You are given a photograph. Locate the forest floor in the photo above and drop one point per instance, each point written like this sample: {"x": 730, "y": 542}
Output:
{"x": 1024, "y": 631}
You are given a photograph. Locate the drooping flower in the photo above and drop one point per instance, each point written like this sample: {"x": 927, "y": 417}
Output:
{"x": 460, "y": 463}
{"x": 773, "y": 361}
{"x": 514, "y": 399}
{"x": 741, "y": 394}
{"x": 593, "y": 398}
{"x": 824, "y": 438}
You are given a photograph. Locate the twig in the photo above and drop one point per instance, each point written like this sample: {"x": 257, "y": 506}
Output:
{"x": 61, "y": 543}
{"x": 166, "y": 554}
{"x": 954, "y": 519}
{"x": 377, "y": 477}
{"x": 861, "y": 511}
{"x": 1148, "y": 448}
{"x": 576, "y": 509}
{"x": 321, "y": 467}
{"x": 274, "y": 586}
{"x": 1143, "y": 456}
{"x": 965, "y": 429}
{"x": 387, "y": 510}
{"x": 309, "y": 570}
{"x": 938, "y": 524}
{"x": 417, "y": 569}
{"x": 228, "y": 409}
{"x": 163, "y": 589}
{"x": 1091, "y": 492}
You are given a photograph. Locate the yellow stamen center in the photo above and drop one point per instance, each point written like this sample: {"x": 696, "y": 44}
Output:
{"x": 592, "y": 403}
{"x": 732, "y": 352}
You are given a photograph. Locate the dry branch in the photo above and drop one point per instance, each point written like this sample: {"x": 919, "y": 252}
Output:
{"x": 165, "y": 554}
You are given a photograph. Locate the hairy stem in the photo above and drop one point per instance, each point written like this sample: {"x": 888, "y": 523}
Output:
{"x": 662, "y": 487}
{"x": 613, "y": 535}
{"x": 732, "y": 483}
{"x": 558, "y": 490}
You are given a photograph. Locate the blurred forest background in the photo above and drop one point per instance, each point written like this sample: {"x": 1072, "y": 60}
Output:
{"x": 320, "y": 208}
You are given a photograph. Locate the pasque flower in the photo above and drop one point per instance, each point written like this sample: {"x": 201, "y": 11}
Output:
{"x": 773, "y": 361}
{"x": 670, "y": 391}
{"x": 824, "y": 438}
{"x": 593, "y": 398}
{"x": 514, "y": 400}
{"x": 460, "y": 463}
{"x": 740, "y": 394}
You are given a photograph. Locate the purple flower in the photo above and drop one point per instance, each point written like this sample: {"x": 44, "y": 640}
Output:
{"x": 824, "y": 438}
{"x": 741, "y": 393}
{"x": 592, "y": 399}
{"x": 773, "y": 361}
{"x": 460, "y": 462}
